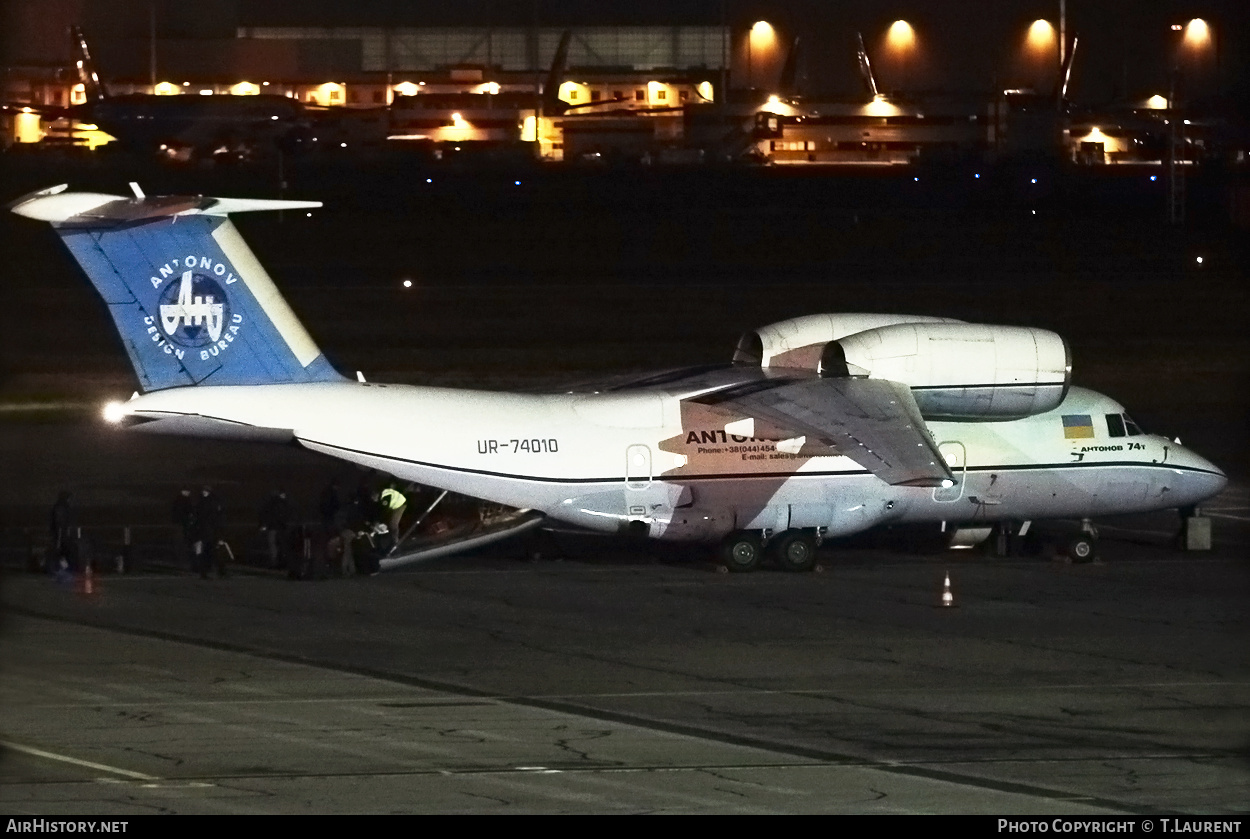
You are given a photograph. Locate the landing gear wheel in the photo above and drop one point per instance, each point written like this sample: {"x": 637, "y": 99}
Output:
{"x": 741, "y": 551}
{"x": 795, "y": 550}
{"x": 1082, "y": 548}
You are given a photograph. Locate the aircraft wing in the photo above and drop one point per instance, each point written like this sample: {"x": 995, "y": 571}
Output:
{"x": 47, "y": 112}
{"x": 681, "y": 382}
{"x": 874, "y": 422}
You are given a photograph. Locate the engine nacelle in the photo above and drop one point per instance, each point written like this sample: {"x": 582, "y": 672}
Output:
{"x": 799, "y": 342}
{"x": 956, "y": 370}
{"x": 962, "y": 370}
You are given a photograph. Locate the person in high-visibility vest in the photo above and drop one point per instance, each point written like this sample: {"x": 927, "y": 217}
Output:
{"x": 393, "y": 501}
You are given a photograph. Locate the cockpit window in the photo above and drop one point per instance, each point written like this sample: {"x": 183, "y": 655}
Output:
{"x": 1131, "y": 427}
{"x": 1115, "y": 425}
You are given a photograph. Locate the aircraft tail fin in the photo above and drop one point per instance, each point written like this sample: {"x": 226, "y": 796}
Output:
{"x": 553, "y": 105}
{"x": 865, "y": 67}
{"x": 788, "y": 82}
{"x": 1065, "y": 74}
{"x": 192, "y": 303}
{"x": 86, "y": 67}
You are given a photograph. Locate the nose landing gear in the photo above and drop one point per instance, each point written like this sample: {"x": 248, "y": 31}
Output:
{"x": 1083, "y": 546}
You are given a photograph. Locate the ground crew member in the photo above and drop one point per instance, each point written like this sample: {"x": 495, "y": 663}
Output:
{"x": 208, "y": 524}
{"x": 60, "y": 528}
{"x": 275, "y": 520}
{"x": 394, "y": 502}
{"x": 182, "y": 513}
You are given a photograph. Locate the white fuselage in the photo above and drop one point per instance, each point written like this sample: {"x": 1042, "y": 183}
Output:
{"x": 647, "y": 460}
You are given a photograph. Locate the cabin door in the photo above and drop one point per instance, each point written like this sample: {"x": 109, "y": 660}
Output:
{"x": 956, "y": 460}
{"x": 637, "y": 480}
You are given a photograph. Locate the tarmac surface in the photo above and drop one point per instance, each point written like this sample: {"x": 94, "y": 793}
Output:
{"x": 608, "y": 676}
{"x": 635, "y": 680}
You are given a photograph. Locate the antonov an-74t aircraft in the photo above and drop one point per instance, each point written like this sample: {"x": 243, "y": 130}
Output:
{"x": 822, "y": 426}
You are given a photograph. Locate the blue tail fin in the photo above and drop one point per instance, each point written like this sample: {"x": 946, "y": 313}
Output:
{"x": 191, "y": 301}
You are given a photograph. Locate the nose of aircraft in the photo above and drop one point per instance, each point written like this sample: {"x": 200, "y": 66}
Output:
{"x": 1194, "y": 478}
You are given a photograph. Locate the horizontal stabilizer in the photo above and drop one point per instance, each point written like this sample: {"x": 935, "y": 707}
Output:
{"x": 209, "y": 428}
{"x": 96, "y": 209}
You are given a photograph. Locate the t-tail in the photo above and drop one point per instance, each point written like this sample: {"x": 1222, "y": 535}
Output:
{"x": 865, "y": 67}
{"x": 191, "y": 301}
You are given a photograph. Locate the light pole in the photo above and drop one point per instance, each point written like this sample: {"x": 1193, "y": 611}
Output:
{"x": 750, "y": 69}
{"x": 1196, "y": 35}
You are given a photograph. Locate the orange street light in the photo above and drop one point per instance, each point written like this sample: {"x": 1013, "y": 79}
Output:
{"x": 761, "y": 38}
{"x": 1041, "y": 37}
{"x": 1041, "y": 45}
{"x": 1197, "y": 34}
{"x": 901, "y": 36}
{"x": 900, "y": 40}
{"x": 1194, "y": 41}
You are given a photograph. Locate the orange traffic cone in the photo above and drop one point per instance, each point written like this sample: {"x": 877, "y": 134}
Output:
{"x": 88, "y": 581}
{"x": 948, "y": 599}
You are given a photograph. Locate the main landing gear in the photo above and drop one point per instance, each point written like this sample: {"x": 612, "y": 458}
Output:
{"x": 1008, "y": 539}
{"x": 792, "y": 550}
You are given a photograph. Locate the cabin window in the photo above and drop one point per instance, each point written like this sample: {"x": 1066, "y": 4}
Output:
{"x": 617, "y": 94}
{"x": 1131, "y": 426}
{"x": 594, "y": 95}
{"x": 335, "y": 96}
{"x": 640, "y": 95}
{"x": 685, "y": 94}
{"x": 661, "y": 95}
{"x": 1115, "y": 425}
{"x": 377, "y": 96}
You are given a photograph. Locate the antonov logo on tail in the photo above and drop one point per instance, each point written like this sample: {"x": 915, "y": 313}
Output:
{"x": 193, "y": 310}
{"x": 206, "y": 263}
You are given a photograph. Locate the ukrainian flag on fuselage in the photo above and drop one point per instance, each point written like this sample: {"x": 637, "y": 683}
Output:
{"x": 1077, "y": 426}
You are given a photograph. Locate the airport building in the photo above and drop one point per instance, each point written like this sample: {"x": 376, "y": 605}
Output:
{"x": 636, "y": 88}
{"x": 437, "y": 84}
